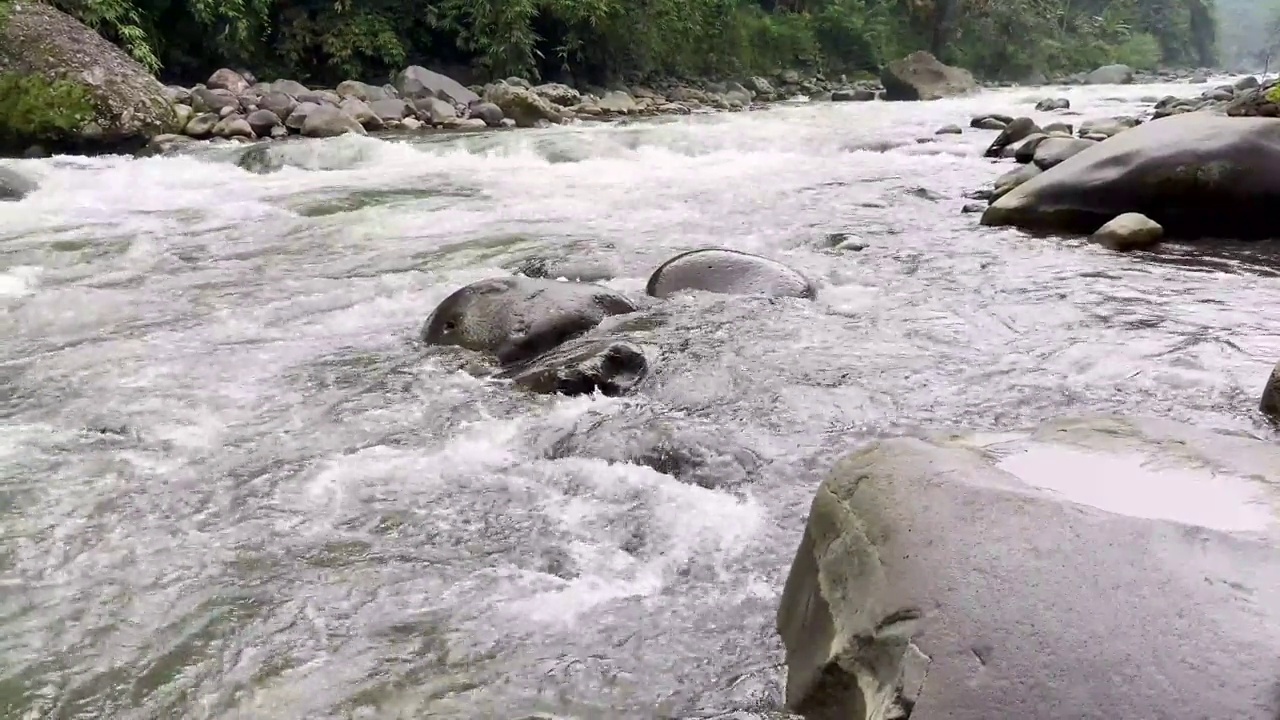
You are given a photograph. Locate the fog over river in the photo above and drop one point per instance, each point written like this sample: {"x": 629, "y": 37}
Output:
{"x": 233, "y": 485}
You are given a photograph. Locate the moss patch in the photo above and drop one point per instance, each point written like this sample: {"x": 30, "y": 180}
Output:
{"x": 36, "y": 109}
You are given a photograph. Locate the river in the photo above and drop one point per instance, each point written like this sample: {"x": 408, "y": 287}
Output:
{"x": 233, "y": 486}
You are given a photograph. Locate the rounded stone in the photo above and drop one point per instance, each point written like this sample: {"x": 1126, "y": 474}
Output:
{"x": 519, "y": 318}
{"x": 728, "y": 272}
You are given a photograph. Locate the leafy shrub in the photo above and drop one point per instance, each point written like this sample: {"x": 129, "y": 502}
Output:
{"x": 37, "y": 109}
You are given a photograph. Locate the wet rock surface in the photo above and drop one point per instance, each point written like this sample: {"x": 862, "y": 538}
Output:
{"x": 923, "y": 570}
{"x": 728, "y": 271}
{"x": 1180, "y": 171}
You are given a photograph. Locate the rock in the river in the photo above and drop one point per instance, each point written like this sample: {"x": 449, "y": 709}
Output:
{"x": 1130, "y": 231}
{"x": 1270, "y": 405}
{"x": 685, "y": 448}
{"x": 263, "y": 122}
{"x": 1197, "y": 175}
{"x": 1059, "y": 575}
{"x": 1053, "y": 151}
{"x": 516, "y": 318}
{"x": 558, "y": 94}
{"x": 329, "y": 121}
{"x": 1050, "y": 104}
{"x": 1013, "y": 179}
{"x": 582, "y": 366}
{"x": 949, "y": 130}
{"x": 229, "y": 80}
{"x": 919, "y": 76}
{"x": 1110, "y": 75}
{"x": 14, "y": 185}
{"x": 108, "y": 99}
{"x": 1014, "y": 131}
{"x": 729, "y": 272}
{"x": 524, "y": 106}
{"x": 990, "y": 122}
{"x": 416, "y": 82}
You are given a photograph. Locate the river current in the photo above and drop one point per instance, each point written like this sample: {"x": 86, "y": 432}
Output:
{"x": 233, "y": 486}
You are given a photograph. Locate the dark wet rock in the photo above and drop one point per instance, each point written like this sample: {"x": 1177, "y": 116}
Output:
{"x": 1247, "y": 82}
{"x": 729, "y": 272}
{"x": 14, "y": 185}
{"x": 1130, "y": 231}
{"x": 1053, "y": 151}
{"x": 1050, "y": 104}
{"x": 1270, "y": 405}
{"x": 582, "y": 366}
{"x": 973, "y": 577}
{"x": 129, "y": 106}
{"x": 853, "y": 95}
{"x": 164, "y": 145}
{"x": 576, "y": 269}
{"x": 991, "y": 121}
{"x": 1110, "y": 75}
{"x": 920, "y": 76}
{"x": 691, "y": 451}
{"x": 1197, "y": 175}
{"x": 418, "y": 82}
{"x": 949, "y": 130}
{"x": 1016, "y": 130}
{"x": 516, "y": 318}
{"x": 1024, "y": 151}
{"x": 973, "y": 208}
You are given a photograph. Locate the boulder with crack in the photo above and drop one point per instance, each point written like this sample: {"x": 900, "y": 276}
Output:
{"x": 1091, "y": 569}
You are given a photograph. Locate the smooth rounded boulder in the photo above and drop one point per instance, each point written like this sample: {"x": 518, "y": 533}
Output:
{"x": 517, "y": 319}
{"x": 921, "y": 76}
{"x": 1197, "y": 175}
{"x": 1090, "y": 569}
{"x": 728, "y": 272}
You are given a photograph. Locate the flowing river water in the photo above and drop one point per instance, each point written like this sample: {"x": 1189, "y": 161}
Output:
{"x": 233, "y": 486}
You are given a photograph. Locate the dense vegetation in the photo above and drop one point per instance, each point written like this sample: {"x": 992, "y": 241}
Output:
{"x": 597, "y": 40}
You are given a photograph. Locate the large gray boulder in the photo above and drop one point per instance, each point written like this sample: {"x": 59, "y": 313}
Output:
{"x": 920, "y": 76}
{"x": 416, "y": 82}
{"x": 1197, "y": 175}
{"x": 728, "y": 272}
{"x": 1092, "y": 569}
{"x": 116, "y": 101}
{"x": 1110, "y": 75}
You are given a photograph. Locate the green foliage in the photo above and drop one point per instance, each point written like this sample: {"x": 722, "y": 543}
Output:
{"x": 598, "y": 40}
{"x": 1141, "y": 51}
{"x": 37, "y": 109}
{"x": 1273, "y": 95}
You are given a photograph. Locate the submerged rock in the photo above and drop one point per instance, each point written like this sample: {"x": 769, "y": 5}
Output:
{"x": 103, "y": 98}
{"x": 517, "y": 318}
{"x": 920, "y": 76}
{"x": 974, "y": 578}
{"x": 729, "y": 272}
{"x": 1197, "y": 175}
{"x": 690, "y": 450}
{"x": 583, "y": 366}
{"x": 1270, "y": 405}
{"x": 14, "y": 185}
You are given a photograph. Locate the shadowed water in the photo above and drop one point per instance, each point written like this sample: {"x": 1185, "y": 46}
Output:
{"x": 232, "y": 486}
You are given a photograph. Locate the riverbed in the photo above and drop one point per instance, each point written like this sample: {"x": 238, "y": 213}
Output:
{"x": 232, "y": 485}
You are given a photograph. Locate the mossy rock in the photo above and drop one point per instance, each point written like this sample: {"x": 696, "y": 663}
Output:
{"x": 66, "y": 88}
{"x": 36, "y": 108}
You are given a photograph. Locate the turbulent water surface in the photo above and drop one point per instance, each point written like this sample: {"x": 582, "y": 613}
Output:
{"x": 234, "y": 486}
